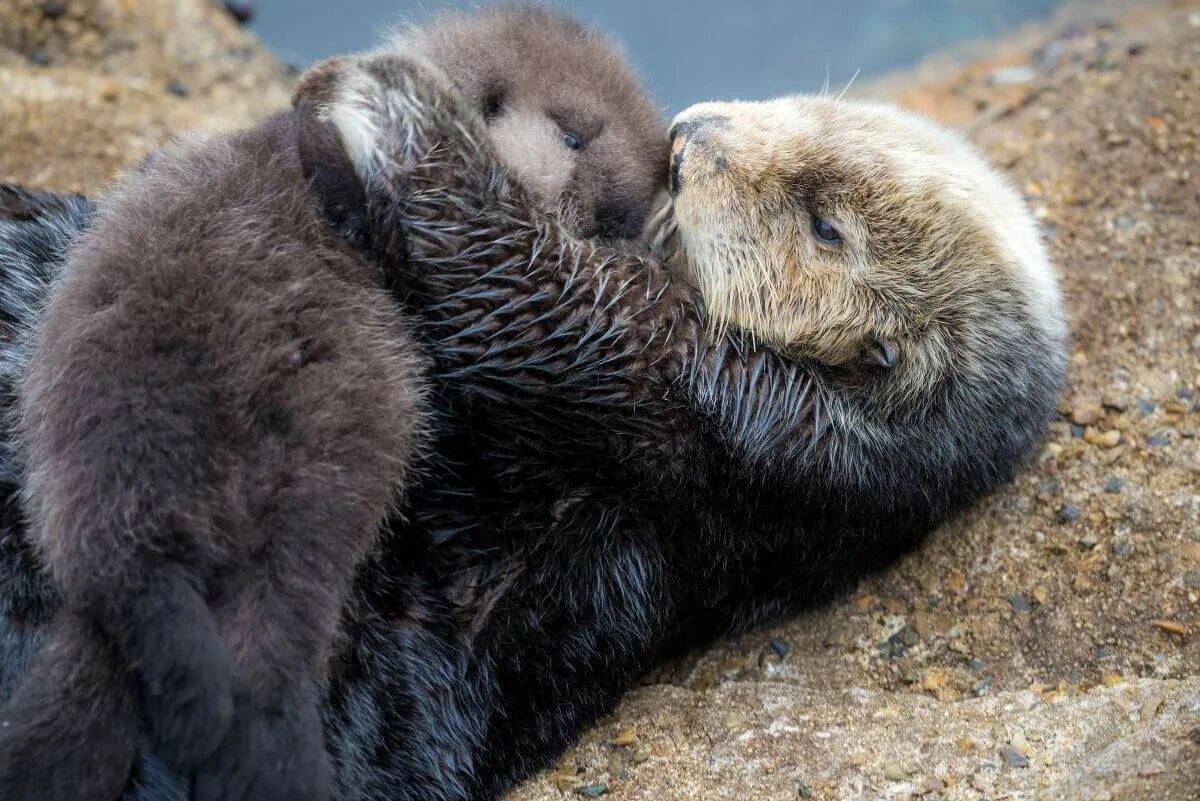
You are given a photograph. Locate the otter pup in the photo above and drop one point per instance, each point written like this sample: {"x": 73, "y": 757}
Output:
{"x": 541, "y": 569}
{"x": 209, "y": 459}
{"x": 564, "y": 112}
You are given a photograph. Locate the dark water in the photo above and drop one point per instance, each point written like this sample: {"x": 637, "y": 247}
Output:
{"x": 691, "y": 50}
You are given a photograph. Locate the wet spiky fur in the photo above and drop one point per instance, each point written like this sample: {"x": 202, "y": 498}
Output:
{"x": 608, "y": 482}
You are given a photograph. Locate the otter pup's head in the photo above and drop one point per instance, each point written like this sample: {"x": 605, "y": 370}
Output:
{"x": 564, "y": 109}
{"x": 860, "y": 236}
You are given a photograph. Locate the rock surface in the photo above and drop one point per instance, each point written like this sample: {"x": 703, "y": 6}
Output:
{"x": 1046, "y": 645}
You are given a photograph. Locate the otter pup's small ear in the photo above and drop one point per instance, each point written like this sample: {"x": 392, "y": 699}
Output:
{"x": 880, "y": 353}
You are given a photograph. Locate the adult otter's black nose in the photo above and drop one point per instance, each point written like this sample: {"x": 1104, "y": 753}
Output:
{"x": 697, "y": 126}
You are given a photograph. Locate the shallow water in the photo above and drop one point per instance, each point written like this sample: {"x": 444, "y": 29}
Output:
{"x": 690, "y": 50}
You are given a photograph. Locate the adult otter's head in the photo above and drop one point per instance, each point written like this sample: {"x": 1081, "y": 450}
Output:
{"x": 565, "y": 112}
{"x": 863, "y": 237}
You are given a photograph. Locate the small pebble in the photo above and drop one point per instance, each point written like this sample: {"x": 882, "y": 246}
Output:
{"x": 1145, "y": 407}
{"x": 40, "y": 58}
{"x": 1192, "y": 579}
{"x": 1122, "y": 547}
{"x": 981, "y": 688}
{"x": 625, "y": 737}
{"x": 53, "y": 9}
{"x": 1114, "y": 484}
{"x": 1076, "y": 430}
{"x": 1005, "y": 76}
{"x": 1086, "y": 413}
{"x": 1048, "y": 487}
{"x": 178, "y": 89}
{"x": 1069, "y": 513}
{"x": 804, "y": 791}
{"x": 1103, "y": 439}
{"x": 1089, "y": 541}
{"x": 1194, "y": 736}
{"x": 592, "y": 790}
{"x": 977, "y": 665}
{"x": 1170, "y": 627}
{"x": 1157, "y": 440}
{"x": 1015, "y": 758}
{"x": 894, "y": 772}
{"x": 1019, "y": 604}
{"x": 781, "y": 648}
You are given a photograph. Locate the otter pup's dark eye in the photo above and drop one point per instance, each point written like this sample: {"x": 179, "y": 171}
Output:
{"x": 825, "y": 233}
{"x": 493, "y": 104}
{"x": 571, "y": 141}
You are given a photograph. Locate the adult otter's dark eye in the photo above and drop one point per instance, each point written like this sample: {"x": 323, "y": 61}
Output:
{"x": 571, "y": 141}
{"x": 825, "y": 233}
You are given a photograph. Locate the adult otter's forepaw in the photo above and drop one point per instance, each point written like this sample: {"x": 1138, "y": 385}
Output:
{"x": 269, "y": 755}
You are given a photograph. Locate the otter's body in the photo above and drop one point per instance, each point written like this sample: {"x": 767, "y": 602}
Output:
{"x": 609, "y": 482}
{"x": 222, "y": 402}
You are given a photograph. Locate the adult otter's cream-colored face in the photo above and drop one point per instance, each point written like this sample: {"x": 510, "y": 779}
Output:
{"x": 857, "y": 234}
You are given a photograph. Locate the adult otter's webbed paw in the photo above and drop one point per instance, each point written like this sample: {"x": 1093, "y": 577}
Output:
{"x": 408, "y": 134}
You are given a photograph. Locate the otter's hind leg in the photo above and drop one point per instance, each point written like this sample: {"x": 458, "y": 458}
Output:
{"x": 282, "y": 622}
{"x": 147, "y": 654}
{"x": 172, "y": 643}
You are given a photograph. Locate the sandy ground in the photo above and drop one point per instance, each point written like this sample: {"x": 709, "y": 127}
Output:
{"x": 1046, "y": 645}
{"x": 88, "y": 87}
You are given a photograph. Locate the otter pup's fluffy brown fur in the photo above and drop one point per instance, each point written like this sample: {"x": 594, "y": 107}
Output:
{"x": 222, "y": 402}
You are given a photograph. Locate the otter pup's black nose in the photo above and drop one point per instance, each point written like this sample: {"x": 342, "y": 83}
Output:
{"x": 619, "y": 220}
